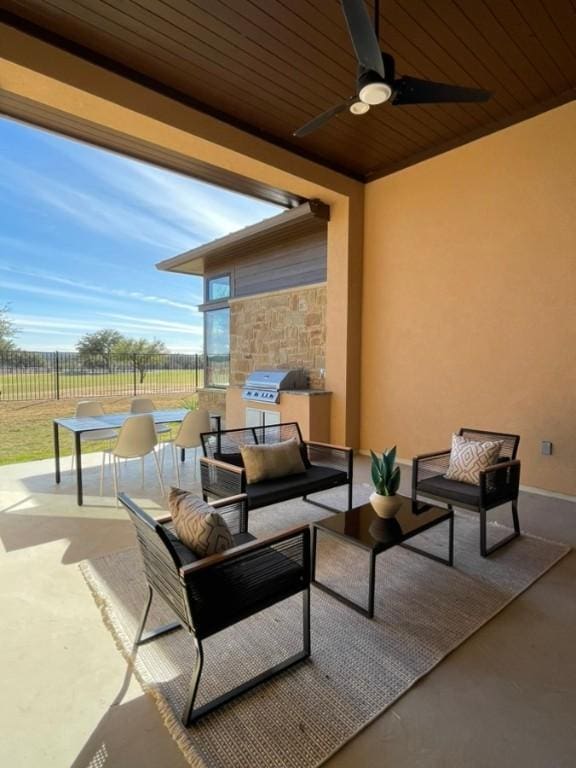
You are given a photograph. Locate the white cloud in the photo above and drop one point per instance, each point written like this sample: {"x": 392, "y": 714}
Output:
{"x": 200, "y": 209}
{"x": 114, "y": 218}
{"x": 146, "y": 323}
{"x": 178, "y": 336}
{"x": 39, "y": 290}
{"x": 85, "y": 286}
{"x": 121, "y": 323}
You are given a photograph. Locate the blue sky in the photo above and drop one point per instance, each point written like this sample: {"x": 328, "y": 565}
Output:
{"x": 81, "y": 230}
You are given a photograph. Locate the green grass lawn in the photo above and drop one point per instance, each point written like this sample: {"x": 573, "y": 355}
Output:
{"x": 24, "y": 385}
{"x": 26, "y": 426}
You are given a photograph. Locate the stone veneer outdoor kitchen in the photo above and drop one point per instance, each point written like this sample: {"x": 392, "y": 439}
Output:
{"x": 284, "y": 329}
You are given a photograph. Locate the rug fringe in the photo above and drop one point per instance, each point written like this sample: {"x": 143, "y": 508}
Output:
{"x": 173, "y": 724}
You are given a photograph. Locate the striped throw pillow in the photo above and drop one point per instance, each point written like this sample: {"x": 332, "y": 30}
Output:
{"x": 198, "y": 525}
{"x": 469, "y": 457}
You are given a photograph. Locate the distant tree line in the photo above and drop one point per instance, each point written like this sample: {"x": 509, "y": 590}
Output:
{"x": 99, "y": 350}
{"x": 8, "y": 333}
{"x": 96, "y": 351}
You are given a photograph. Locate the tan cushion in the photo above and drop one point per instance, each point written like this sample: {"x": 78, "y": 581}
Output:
{"x": 469, "y": 457}
{"x": 265, "y": 462}
{"x": 197, "y": 525}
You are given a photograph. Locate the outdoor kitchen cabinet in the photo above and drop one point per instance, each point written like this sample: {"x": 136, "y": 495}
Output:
{"x": 309, "y": 408}
{"x": 258, "y": 417}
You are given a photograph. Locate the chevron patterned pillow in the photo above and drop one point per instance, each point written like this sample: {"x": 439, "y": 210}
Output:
{"x": 469, "y": 457}
{"x": 198, "y": 525}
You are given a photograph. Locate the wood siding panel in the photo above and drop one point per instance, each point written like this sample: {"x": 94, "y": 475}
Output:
{"x": 301, "y": 262}
{"x": 298, "y": 261}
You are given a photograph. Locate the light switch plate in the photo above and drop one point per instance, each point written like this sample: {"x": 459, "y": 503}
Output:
{"x": 546, "y": 448}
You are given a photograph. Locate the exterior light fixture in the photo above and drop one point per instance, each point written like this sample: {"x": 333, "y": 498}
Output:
{"x": 359, "y": 108}
{"x": 375, "y": 93}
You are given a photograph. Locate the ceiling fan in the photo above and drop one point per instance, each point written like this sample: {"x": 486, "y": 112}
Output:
{"x": 376, "y": 81}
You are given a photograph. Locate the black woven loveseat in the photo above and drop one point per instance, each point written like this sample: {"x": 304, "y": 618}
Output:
{"x": 222, "y": 472}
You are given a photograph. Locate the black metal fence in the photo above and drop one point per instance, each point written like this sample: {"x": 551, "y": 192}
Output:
{"x": 217, "y": 370}
{"x": 60, "y": 375}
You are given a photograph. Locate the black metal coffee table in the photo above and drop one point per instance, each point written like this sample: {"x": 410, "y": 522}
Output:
{"x": 362, "y": 528}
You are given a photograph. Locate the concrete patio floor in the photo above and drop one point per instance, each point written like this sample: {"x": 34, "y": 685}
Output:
{"x": 507, "y": 697}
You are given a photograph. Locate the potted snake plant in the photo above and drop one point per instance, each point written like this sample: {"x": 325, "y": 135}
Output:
{"x": 386, "y": 480}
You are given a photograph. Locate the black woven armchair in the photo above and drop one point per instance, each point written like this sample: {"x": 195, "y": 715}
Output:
{"x": 222, "y": 471}
{"x": 499, "y": 484}
{"x": 210, "y": 594}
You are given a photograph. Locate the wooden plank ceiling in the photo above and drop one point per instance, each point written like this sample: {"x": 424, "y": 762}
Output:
{"x": 269, "y": 66}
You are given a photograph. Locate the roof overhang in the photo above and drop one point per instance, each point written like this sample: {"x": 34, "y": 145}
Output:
{"x": 288, "y": 224}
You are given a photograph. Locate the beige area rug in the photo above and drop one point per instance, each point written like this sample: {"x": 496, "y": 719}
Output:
{"x": 358, "y": 668}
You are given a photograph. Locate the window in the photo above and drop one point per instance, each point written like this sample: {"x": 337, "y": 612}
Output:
{"x": 217, "y": 329}
{"x": 218, "y": 288}
{"x": 218, "y": 332}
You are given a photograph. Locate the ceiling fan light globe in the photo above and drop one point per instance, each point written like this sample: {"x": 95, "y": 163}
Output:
{"x": 375, "y": 93}
{"x": 359, "y": 108}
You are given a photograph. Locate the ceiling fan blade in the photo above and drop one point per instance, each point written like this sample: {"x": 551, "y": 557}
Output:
{"x": 364, "y": 39}
{"x": 317, "y": 122}
{"x": 411, "y": 90}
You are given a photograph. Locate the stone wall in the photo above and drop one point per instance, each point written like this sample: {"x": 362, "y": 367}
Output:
{"x": 285, "y": 329}
{"x": 212, "y": 400}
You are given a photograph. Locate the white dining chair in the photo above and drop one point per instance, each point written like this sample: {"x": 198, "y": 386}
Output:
{"x": 146, "y": 405}
{"x": 137, "y": 439}
{"x": 188, "y": 436}
{"x": 86, "y": 409}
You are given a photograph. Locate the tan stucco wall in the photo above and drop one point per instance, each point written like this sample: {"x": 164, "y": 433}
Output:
{"x": 284, "y": 329}
{"x": 469, "y": 299}
{"x": 49, "y": 76}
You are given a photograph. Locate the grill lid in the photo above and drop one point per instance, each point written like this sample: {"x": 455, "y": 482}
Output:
{"x": 267, "y": 384}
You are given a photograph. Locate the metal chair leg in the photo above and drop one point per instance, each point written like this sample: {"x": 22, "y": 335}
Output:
{"x": 485, "y": 550}
{"x": 115, "y": 478}
{"x": 306, "y": 621}
{"x": 154, "y": 634}
{"x": 191, "y": 715}
{"x": 142, "y": 624}
{"x": 159, "y": 473}
{"x": 515, "y": 518}
{"x": 102, "y": 472}
{"x": 194, "y": 683}
{"x": 176, "y": 465}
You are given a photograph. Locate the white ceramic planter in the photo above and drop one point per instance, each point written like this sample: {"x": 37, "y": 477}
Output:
{"x": 385, "y": 506}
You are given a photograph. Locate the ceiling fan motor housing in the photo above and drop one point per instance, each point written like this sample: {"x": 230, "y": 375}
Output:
{"x": 372, "y": 88}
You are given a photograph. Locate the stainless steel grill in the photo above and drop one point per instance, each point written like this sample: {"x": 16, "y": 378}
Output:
{"x": 265, "y": 386}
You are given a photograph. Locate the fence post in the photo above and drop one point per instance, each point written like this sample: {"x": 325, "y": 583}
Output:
{"x": 57, "y": 372}
{"x": 134, "y": 374}
{"x": 196, "y": 369}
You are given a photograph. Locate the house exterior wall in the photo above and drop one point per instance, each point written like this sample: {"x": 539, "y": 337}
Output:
{"x": 212, "y": 400}
{"x": 285, "y": 329}
{"x": 297, "y": 260}
{"x": 469, "y": 298}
